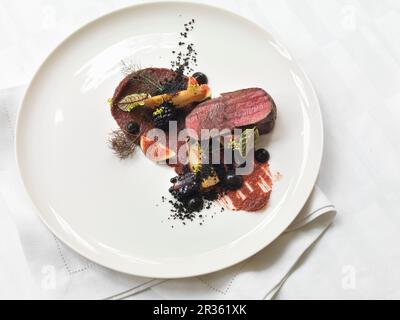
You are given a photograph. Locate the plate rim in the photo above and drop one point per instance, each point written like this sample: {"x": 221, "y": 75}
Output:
{"x": 272, "y": 236}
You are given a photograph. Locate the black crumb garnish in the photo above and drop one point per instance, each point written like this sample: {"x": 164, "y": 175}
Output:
{"x": 185, "y": 60}
{"x": 181, "y": 210}
{"x": 174, "y": 85}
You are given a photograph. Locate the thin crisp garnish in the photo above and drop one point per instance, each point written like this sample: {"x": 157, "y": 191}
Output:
{"x": 133, "y": 101}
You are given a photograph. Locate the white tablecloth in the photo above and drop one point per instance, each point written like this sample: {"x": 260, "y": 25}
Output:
{"x": 351, "y": 51}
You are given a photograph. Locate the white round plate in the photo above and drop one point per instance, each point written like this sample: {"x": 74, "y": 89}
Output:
{"x": 110, "y": 211}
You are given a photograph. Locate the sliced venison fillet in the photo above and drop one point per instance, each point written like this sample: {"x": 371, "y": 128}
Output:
{"x": 243, "y": 108}
{"x": 142, "y": 81}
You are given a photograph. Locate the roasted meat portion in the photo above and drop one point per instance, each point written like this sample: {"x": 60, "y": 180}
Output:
{"x": 251, "y": 107}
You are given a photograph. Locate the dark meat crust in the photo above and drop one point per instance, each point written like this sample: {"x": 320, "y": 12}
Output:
{"x": 267, "y": 125}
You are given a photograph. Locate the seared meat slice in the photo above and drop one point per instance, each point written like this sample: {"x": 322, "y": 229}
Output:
{"x": 238, "y": 109}
{"x": 147, "y": 80}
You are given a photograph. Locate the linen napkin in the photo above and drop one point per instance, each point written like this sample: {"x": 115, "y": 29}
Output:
{"x": 261, "y": 276}
{"x": 60, "y": 273}
{"x": 57, "y": 271}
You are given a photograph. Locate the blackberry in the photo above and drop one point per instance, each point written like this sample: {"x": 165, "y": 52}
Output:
{"x": 163, "y": 115}
{"x": 185, "y": 186}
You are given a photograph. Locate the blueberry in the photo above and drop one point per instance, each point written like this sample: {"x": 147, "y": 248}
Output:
{"x": 195, "y": 204}
{"x": 233, "y": 181}
{"x": 262, "y": 155}
{"x": 133, "y": 127}
{"x": 200, "y": 77}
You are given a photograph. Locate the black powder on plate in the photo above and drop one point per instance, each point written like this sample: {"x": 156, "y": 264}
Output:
{"x": 186, "y": 57}
{"x": 180, "y": 212}
{"x": 184, "y": 62}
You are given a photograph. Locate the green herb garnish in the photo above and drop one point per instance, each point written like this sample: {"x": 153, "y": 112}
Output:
{"x": 241, "y": 144}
